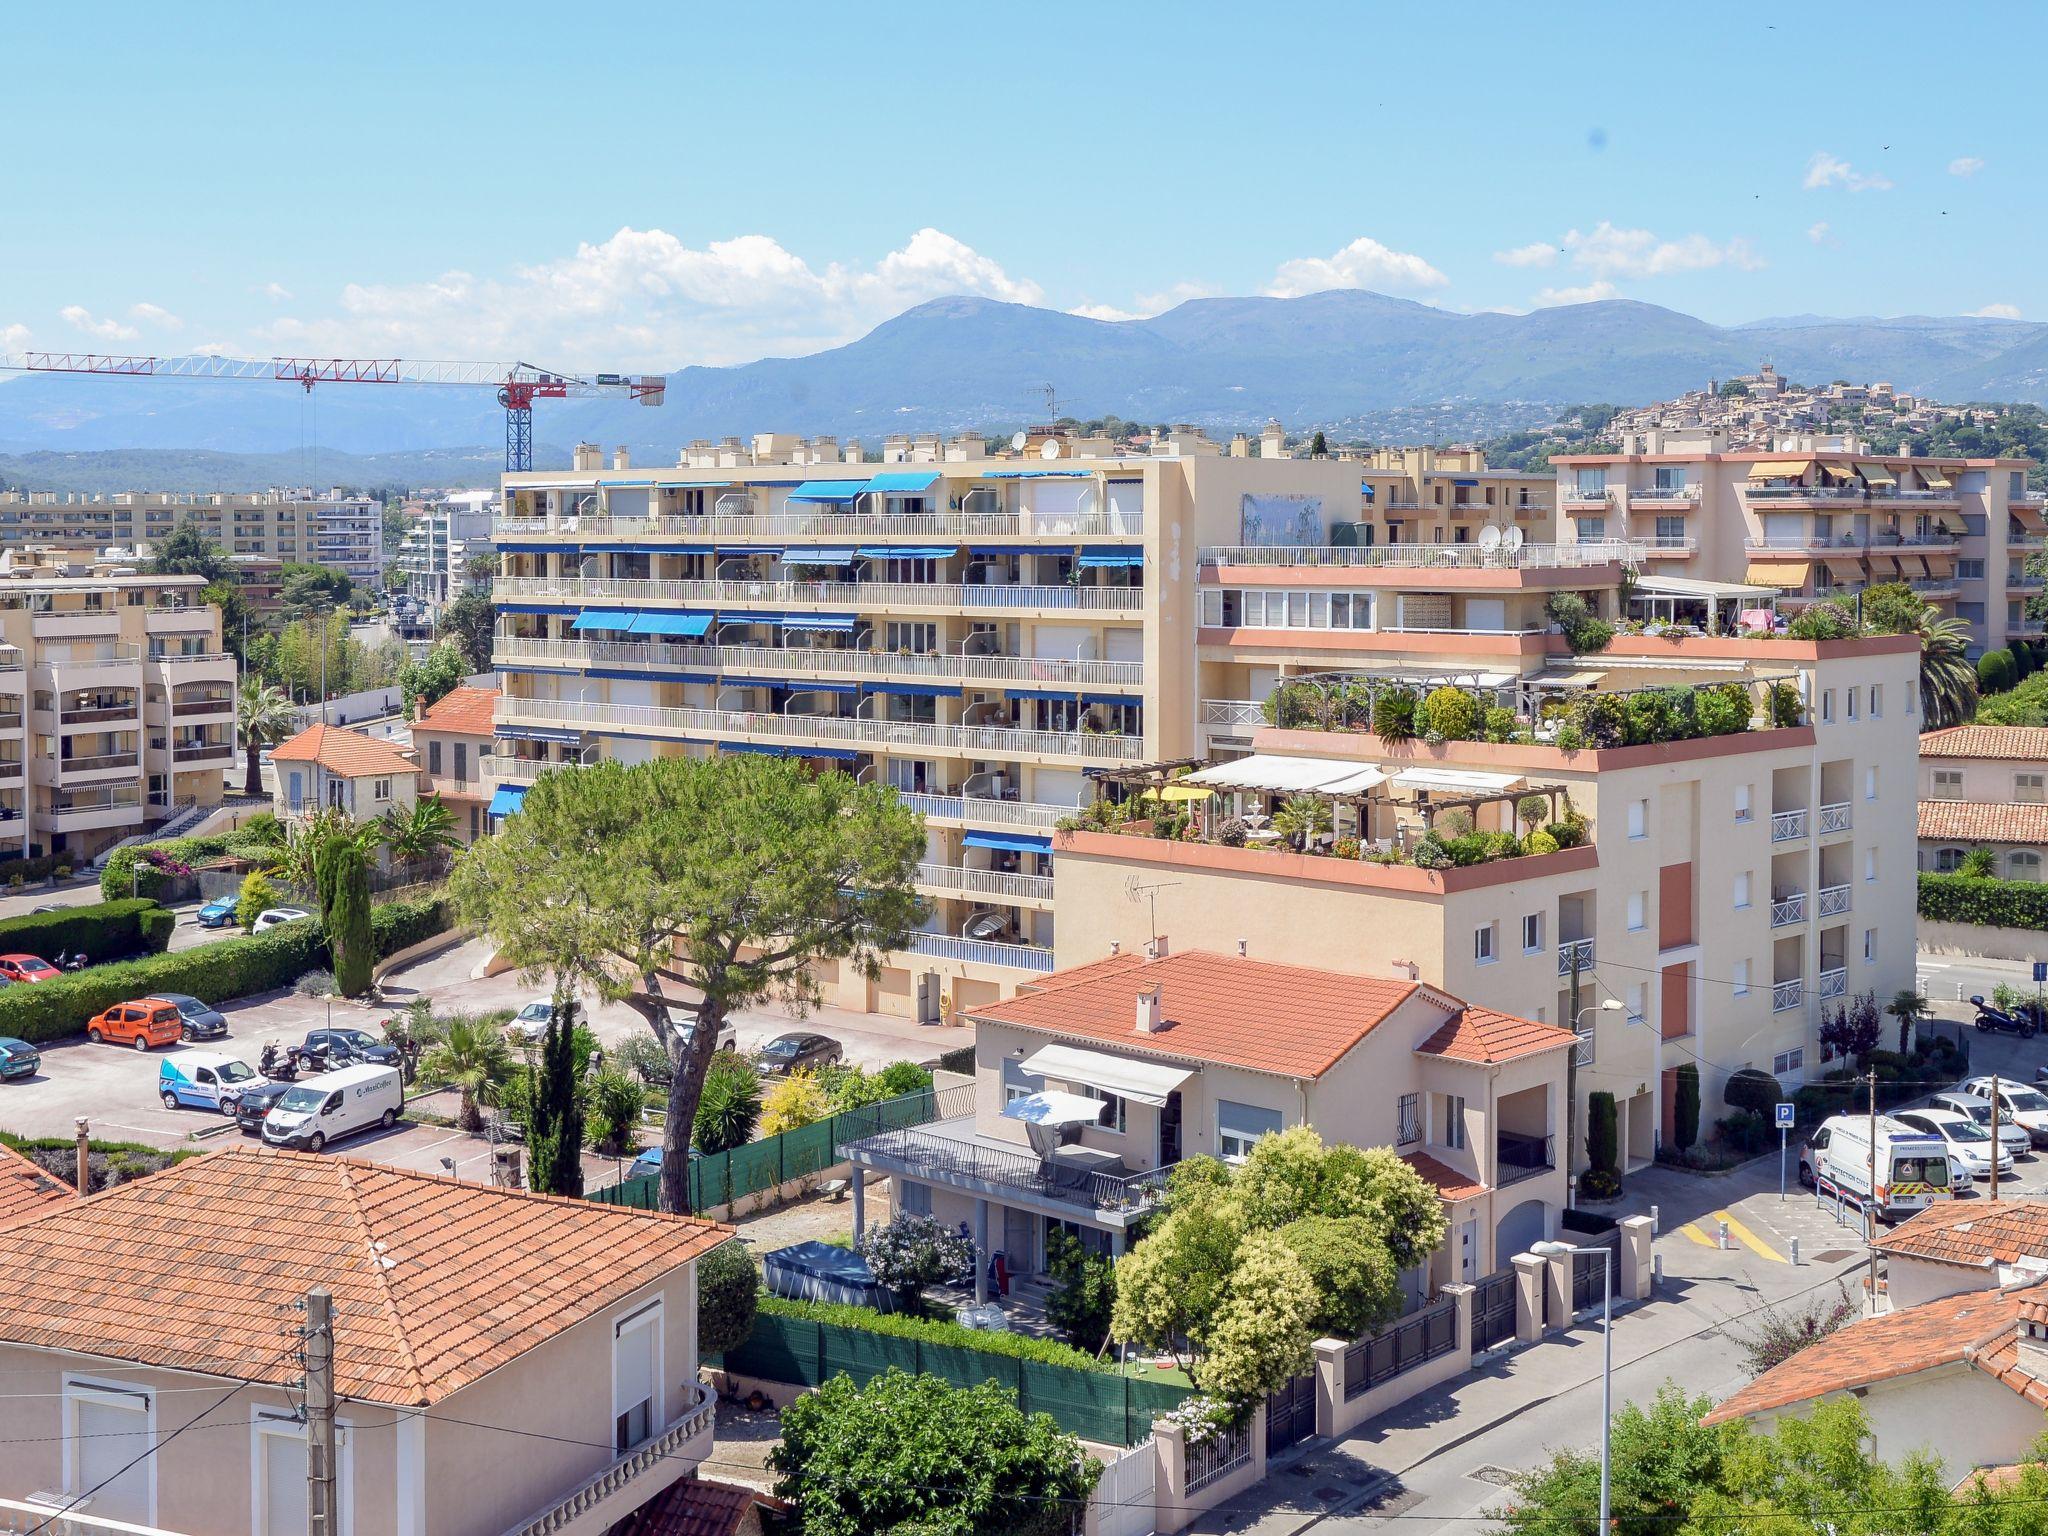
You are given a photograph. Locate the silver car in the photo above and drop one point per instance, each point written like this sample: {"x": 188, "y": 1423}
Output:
{"x": 529, "y": 1026}
{"x": 2012, "y": 1136}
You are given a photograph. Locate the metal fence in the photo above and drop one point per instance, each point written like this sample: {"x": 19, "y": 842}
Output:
{"x": 1125, "y": 1499}
{"x": 1588, "y": 1287}
{"x": 1218, "y": 1457}
{"x": 1493, "y": 1310}
{"x": 719, "y": 1178}
{"x": 1103, "y": 1406}
{"x": 1418, "y": 1338}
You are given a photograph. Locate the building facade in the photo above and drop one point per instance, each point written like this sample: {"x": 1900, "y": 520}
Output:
{"x": 303, "y": 526}
{"x": 1985, "y": 786}
{"x": 451, "y": 740}
{"x": 440, "y": 541}
{"x": 332, "y": 768}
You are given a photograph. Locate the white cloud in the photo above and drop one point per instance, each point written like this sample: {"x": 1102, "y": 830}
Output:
{"x": 1997, "y": 312}
{"x": 277, "y": 293}
{"x": 108, "y": 329}
{"x": 1364, "y": 263}
{"x": 644, "y": 299}
{"x": 1588, "y": 293}
{"x": 1612, "y": 252}
{"x": 1817, "y": 232}
{"x": 13, "y": 337}
{"x": 1826, "y": 170}
{"x": 1537, "y": 254}
{"x": 155, "y": 314}
{"x": 1103, "y": 312}
{"x": 1965, "y": 165}
{"x": 1145, "y": 305}
{"x": 211, "y": 349}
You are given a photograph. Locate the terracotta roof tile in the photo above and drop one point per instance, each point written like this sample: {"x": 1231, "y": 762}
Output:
{"x": 1283, "y": 1019}
{"x": 696, "y": 1506}
{"x": 1450, "y": 1183}
{"x": 463, "y": 711}
{"x": 1487, "y": 1038}
{"x": 1978, "y": 822}
{"x": 1108, "y": 965}
{"x": 1971, "y": 1233}
{"x": 2000, "y": 1360}
{"x": 348, "y": 754}
{"x": 26, "y": 1188}
{"x": 195, "y": 1267}
{"x": 2015, "y": 743}
{"x": 1875, "y": 1349}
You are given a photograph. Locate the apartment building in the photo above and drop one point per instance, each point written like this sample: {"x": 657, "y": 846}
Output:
{"x": 1819, "y": 516}
{"x": 117, "y": 706}
{"x": 451, "y": 741}
{"x": 440, "y": 541}
{"x": 331, "y": 528}
{"x": 1985, "y": 786}
{"x": 1430, "y": 495}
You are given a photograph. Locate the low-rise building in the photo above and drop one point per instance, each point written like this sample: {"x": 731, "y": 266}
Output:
{"x": 1985, "y": 786}
{"x": 503, "y": 1362}
{"x": 1429, "y": 495}
{"x": 27, "y": 1189}
{"x": 451, "y": 741}
{"x": 329, "y": 767}
{"x": 1091, "y": 1084}
{"x": 1955, "y": 1246}
{"x": 304, "y": 526}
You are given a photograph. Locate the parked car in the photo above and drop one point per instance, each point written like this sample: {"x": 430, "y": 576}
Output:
{"x": 200, "y": 1021}
{"x": 143, "y": 1023}
{"x": 796, "y": 1051}
{"x": 2027, "y": 1106}
{"x": 650, "y": 1162}
{"x": 27, "y": 968}
{"x": 2012, "y": 1136}
{"x": 219, "y": 912}
{"x": 1905, "y": 1171}
{"x": 334, "y": 1105}
{"x": 686, "y": 1032}
{"x": 342, "y": 1047}
{"x": 256, "y": 1101}
{"x": 18, "y": 1058}
{"x": 1970, "y": 1147}
{"x": 277, "y": 915}
{"x": 204, "y": 1080}
{"x": 530, "y": 1023}
{"x": 48, "y": 906}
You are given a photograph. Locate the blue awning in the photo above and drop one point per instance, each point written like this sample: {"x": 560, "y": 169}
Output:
{"x": 835, "y": 492}
{"x": 1464, "y": 482}
{"x": 1058, "y": 695}
{"x": 834, "y": 623}
{"x": 844, "y": 690}
{"x": 742, "y": 551}
{"x": 1114, "y": 700}
{"x": 770, "y": 749}
{"x": 1112, "y": 559}
{"x": 1008, "y": 842}
{"x": 753, "y": 682}
{"x": 603, "y": 618}
{"x": 916, "y": 690}
{"x": 507, "y": 799}
{"x": 550, "y": 608}
{"x": 521, "y": 547}
{"x": 690, "y": 626}
{"x": 1040, "y": 474}
{"x": 741, "y": 616}
{"x": 904, "y": 482}
{"x": 1010, "y": 549}
{"x": 908, "y": 551}
{"x": 630, "y": 675}
{"x": 540, "y": 733}
{"x": 1366, "y": 490}
{"x": 820, "y": 556}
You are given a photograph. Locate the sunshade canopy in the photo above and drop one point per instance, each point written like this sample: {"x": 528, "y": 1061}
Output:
{"x": 1288, "y": 775}
{"x": 835, "y": 492}
{"x": 1782, "y": 576}
{"x": 507, "y": 799}
{"x": 1470, "y": 780}
{"x": 1779, "y": 469}
{"x": 1142, "y": 1082}
{"x": 904, "y": 482}
{"x": 1052, "y": 1107}
{"x": 1692, "y": 586}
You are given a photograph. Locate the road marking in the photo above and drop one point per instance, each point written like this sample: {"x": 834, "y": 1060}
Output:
{"x": 1748, "y": 1238}
{"x": 1698, "y": 1236}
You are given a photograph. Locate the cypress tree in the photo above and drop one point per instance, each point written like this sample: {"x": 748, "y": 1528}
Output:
{"x": 554, "y": 1131}
{"x": 348, "y": 919}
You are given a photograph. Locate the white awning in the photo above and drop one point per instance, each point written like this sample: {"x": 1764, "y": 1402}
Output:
{"x": 1575, "y": 677}
{"x": 1289, "y": 776}
{"x": 1143, "y": 1082}
{"x": 1054, "y": 1108}
{"x": 1691, "y": 586}
{"x": 1456, "y": 778}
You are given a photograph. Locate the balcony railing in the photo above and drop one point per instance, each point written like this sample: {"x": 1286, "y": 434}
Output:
{"x": 1834, "y": 900}
{"x": 807, "y": 661}
{"x": 1582, "y": 949}
{"x": 899, "y": 735}
{"x": 207, "y": 706}
{"x": 984, "y": 882}
{"x": 1666, "y": 493}
{"x": 1834, "y": 817}
{"x": 878, "y": 596}
{"x": 1788, "y": 909}
{"x": 1671, "y": 546}
{"x": 944, "y": 946}
{"x": 1787, "y": 825}
{"x": 658, "y": 1453}
{"x": 1425, "y": 556}
{"x": 1233, "y": 713}
{"x": 920, "y": 526}
{"x": 1521, "y": 1157}
{"x": 1933, "y": 539}
{"x": 926, "y": 1154}
{"x": 985, "y": 810}
{"x": 1834, "y": 982}
{"x": 1787, "y": 995}
{"x": 201, "y": 751}
{"x": 99, "y": 764}
{"x": 92, "y": 716}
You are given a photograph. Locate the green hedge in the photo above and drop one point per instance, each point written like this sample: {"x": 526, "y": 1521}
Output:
{"x": 112, "y": 930}
{"x": 121, "y": 874}
{"x": 400, "y": 924}
{"x": 40, "y": 868}
{"x": 927, "y": 1330}
{"x": 1993, "y": 903}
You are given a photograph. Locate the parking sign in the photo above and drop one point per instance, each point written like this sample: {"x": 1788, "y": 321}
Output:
{"x": 2040, "y": 971}
{"x": 1784, "y": 1117}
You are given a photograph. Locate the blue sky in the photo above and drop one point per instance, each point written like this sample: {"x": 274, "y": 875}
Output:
{"x": 652, "y": 185}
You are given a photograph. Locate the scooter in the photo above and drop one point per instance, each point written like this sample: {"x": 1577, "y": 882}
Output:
{"x": 1990, "y": 1018}
{"x": 70, "y": 962}
{"x": 277, "y": 1065}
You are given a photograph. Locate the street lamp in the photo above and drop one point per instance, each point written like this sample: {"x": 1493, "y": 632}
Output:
{"x": 1552, "y": 1250}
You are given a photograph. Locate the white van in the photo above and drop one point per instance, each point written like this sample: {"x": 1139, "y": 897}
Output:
{"x": 1912, "y": 1166}
{"x": 206, "y": 1079}
{"x": 333, "y": 1105}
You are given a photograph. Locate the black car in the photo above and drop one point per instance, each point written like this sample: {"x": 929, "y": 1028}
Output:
{"x": 257, "y": 1100}
{"x": 200, "y": 1021}
{"x": 346, "y": 1047}
{"x": 796, "y": 1052}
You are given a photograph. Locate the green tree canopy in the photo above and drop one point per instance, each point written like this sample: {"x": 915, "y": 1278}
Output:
{"x": 188, "y": 552}
{"x": 263, "y": 717}
{"x": 470, "y": 622}
{"x": 433, "y": 677}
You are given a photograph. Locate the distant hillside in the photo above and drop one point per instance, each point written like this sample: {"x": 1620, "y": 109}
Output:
{"x": 1362, "y": 362}
{"x": 109, "y": 471}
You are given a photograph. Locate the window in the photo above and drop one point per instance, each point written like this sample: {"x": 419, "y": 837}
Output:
{"x": 1948, "y": 784}
{"x": 1738, "y": 976}
{"x": 636, "y": 1378}
{"x": 1743, "y": 883}
{"x": 1671, "y": 532}
{"x": 1870, "y": 866}
{"x": 1785, "y": 1062}
{"x": 1637, "y": 1002}
{"x": 1532, "y": 933}
{"x": 2023, "y": 864}
{"x": 1855, "y": 703}
{"x": 434, "y": 758}
{"x": 462, "y": 761}
{"x": 1483, "y": 952}
{"x": 1670, "y": 477}
{"x": 1827, "y": 706}
{"x": 1870, "y": 944}
{"x": 1742, "y": 811}
{"x": 1638, "y": 911}
{"x": 2027, "y": 788}
{"x": 1116, "y": 1117}
{"x": 1239, "y": 1125}
{"x": 1408, "y": 1119}
{"x": 1590, "y": 482}
{"x": 1638, "y": 818}
{"x": 1969, "y": 570}
{"x": 1451, "y": 1132}
{"x": 1948, "y": 860}
{"x": 108, "y": 1434}
{"x": 1592, "y": 529}
{"x": 380, "y": 789}
{"x": 1017, "y": 1083}
{"x": 1877, "y": 701}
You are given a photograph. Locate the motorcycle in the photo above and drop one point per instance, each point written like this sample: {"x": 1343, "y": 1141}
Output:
{"x": 277, "y": 1065}
{"x": 2020, "y": 1022}
{"x": 70, "y": 962}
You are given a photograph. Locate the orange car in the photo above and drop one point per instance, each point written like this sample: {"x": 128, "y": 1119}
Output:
{"x": 143, "y": 1023}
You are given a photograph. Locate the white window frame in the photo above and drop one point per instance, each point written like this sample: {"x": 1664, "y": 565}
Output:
{"x": 1870, "y": 944}
{"x": 1532, "y": 933}
{"x": 1739, "y": 978}
{"x": 2022, "y": 783}
{"x": 1870, "y": 781}
{"x": 1870, "y": 865}
{"x": 1787, "y": 1062}
{"x": 633, "y": 1318}
{"x": 1118, "y": 1121}
{"x": 282, "y": 1422}
{"x": 121, "y": 1394}
{"x": 1745, "y": 888}
{"x": 2012, "y": 865}
{"x": 1877, "y": 701}
{"x": 1743, "y": 798}
{"x": 1856, "y": 703}
{"x": 1452, "y": 1133}
{"x": 1945, "y": 784}
{"x": 1485, "y": 944}
{"x": 1638, "y": 911}
{"x": 1638, "y": 820}
{"x": 1827, "y": 706}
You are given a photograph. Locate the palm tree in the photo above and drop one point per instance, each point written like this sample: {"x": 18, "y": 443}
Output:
{"x": 1948, "y": 683}
{"x": 1302, "y": 817}
{"x": 477, "y": 1062}
{"x": 263, "y": 717}
{"x": 303, "y": 839}
{"x": 422, "y": 831}
{"x": 1909, "y": 1008}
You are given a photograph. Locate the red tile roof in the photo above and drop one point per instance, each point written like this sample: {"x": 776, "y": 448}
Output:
{"x": 1975, "y": 1234}
{"x": 1108, "y": 965}
{"x": 1450, "y": 1183}
{"x": 1226, "y": 1010}
{"x": 346, "y": 754}
{"x": 2012, "y": 743}
{"x": 25, "y": 1188}
{"x": 2000, "y": 1360}
{"x": 1875, "y": 1349}
{"x": 1487, "y": 1038}
{"x": 1974, "y": 821}
{"x": 697, "y": 1506}
{"x": 439, "y": 1282}
{"x": 464, "y": 711}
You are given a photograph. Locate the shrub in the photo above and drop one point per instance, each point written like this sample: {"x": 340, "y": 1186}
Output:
{"x": 1567, "y": 834}
{"x": 158, "y": 924}
{"x": 110, "y": 930}
{"x": 615, "y": 1101}
{"x": 399, "y": 925}
{"x": 258, "y": 896}
{"x": 1723, "y": 710}
{"x": 1582, "y": 631}
{"x": 1451, "y": 712}
{"x": 1501, "y": 723}
{"x": 141, "y": 868}
{"x": 2025, "y": 661}
{"x": 728, "y": 1293}
{"x": 1686, "y": 1112}
{"x": 901, "y": 1077}
{"x": 1752, "y": 1090}
{"x": 1084, "y": 1290}
{"x": 1782, "y": 1334}
{"x": 1469, "y": 849}
{"x": 1344, "y": 848}
{"x": 1531, "y": 809}
{"x": 912, "y": 1252}
{"x": 1993, "y": 903}
{"x": 1570, "y": 738}
{"x": 1823, "y": 621}
{"x": 642, "y": 1055}
{"x": 1539, "y": 841}
{"x": 1978, "y": 864}
{"x": 316, "y": 984}
{"x": 1393, "y": 715}
{"x": 792, "y": 1102}
{"x": 1995, "y": 672}
{"x": 1787, "y": 708}
{"x": 18, "y": 872}
{"x": 1456, "y": 822}
{"x": 1603, "y": 1146}
{"x": 1431, "y": 853}
{"x": 729, "y": 1107}
{"x": 1743, "y": 1131}
{"x": 1660, "y": 714}
{"x": 933, "y": 1330}
{"x": 1231, "y": 832}
{"x": 1602, "y": 718}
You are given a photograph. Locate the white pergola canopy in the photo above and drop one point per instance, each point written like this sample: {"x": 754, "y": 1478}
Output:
{"x": 1142, "y": 1082}
{"x": 1052, "y": 1107}
{"x": 1471, "y": 780}
{"x": 1272, "y": 774}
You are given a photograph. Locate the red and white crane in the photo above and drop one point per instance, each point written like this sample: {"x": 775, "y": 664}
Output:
{"x": 518, "y": 384}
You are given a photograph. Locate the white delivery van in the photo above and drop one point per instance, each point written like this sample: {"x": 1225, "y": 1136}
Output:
{"x": 334, "y": 1105}
{"x": 1911, "y": 1165}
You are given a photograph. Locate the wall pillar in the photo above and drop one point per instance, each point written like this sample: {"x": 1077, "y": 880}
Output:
{"x": 980, "y": 1252}
{"x": 1461, "y": 1323}
{"x": 1529, "y": 1280}
{"x": 1557, "y": 1279}
{"x": 1170, "y": 1483}
{"x": 1329, "y": 1369}
{"x": 860, "y": 1201}
{"x": 1633, "y": 1264}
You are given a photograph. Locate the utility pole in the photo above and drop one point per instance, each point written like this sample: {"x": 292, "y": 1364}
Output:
{"x": 319, "y": 1338}
{"x": 1571, "y": 1094}
{"x": 1994, "y": 1136}
{"x": 1870, "y": 1206}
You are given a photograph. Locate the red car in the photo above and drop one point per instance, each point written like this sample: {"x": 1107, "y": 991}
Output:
{"x": 27, "y": 968}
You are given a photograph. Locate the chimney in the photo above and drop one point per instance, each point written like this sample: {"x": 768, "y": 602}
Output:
{"x": 1148, "y": 1012}
{"x": 1155, "y": 947}
{"x": 620, "y": 458}
{"x": 586, "y": 456}
{"x": 84, "y": 1156}
{"x": 1273, "y": 442}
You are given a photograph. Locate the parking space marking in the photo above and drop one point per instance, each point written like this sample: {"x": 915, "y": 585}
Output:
{"x": 1748, "y": 1238}
{"x": 1693, "y": 1232}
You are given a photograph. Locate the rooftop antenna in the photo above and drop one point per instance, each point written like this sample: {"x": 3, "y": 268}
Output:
{"x": 1135, "y": 891}
{"x": 1052, "y": 405}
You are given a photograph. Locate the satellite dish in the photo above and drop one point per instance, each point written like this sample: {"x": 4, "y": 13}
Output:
{"x": 1019, "y": 439}
{"x": 1049, "y": 449}
{"x": 1489, "y": 539}
{"x": 1513, "y": 538}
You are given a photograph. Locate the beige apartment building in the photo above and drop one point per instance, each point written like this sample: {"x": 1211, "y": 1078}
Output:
{"x": 1816, "y": 517}
{"x": 117, "y": 706}
{"x": 346, "y": 532}
{"x": 1430, "y": 495}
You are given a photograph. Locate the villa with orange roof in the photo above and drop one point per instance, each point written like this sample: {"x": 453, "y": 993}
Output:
{"x": 451, "y": 739}
{"x": 332, "y": 767}
{"x": 1092, "y": 1083}
{"x": 1985, "y": 786}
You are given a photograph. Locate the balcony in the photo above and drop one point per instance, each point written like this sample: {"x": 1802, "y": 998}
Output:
{"x": 901, "y": 736}
{"x": 1579, "y": 951}
{"x": 1671, "y": 548}
{"x": 917, "y": 527}
{"x": 1934, "y": 540}
{"x": 1518, "y": 1157}
{"x": 125, "y": 713}
{"x": 797, "y": 663}
{"x": 631, "y": 1480}
{"x": 1787, "y": 995}
{"x": 1666, "y": 495}
{"x": 10, "y": 769}
{"x": 215, "y": 704}
{"x": 958, "y": 880}
{"x": 1834, "y": 983}
{"x": 203, "y": 752}
{"x": 1233, "y": 717}
{"x": 1834, "y": 901}
{"x": 984, "y": 810}
{"x": 84, "y": 810}
{"x": 874, "y": 596}
{"x": 515, "y": 770}
{"x": 1788, "y": 909}
{"x": 1834, "y": 817}
{"x": 1433, "y": 557}
{"x": 1787, "y": 825}
{"x": 953, "y": 1153}
{"x": 1016, "y": 957}
{"x": 91, "y": 623}
{"x": 69, "y": 768}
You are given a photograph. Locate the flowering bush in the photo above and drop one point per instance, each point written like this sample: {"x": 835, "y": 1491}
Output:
{"x": 1200, "y": 1418}
{"x": 912, "y": 1252}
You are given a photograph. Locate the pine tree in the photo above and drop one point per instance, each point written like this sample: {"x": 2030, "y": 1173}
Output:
{"x": 554, "y": 1129}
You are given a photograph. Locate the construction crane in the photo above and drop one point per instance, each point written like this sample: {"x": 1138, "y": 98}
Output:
{"x": 518, "y": 384}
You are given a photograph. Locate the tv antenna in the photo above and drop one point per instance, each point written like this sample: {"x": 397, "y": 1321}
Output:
{"x": 1136, "y": 890}
{"x": 1052, "y": 405}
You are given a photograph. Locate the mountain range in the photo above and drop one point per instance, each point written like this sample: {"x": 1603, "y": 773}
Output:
{"x": 1361, "y": 362}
